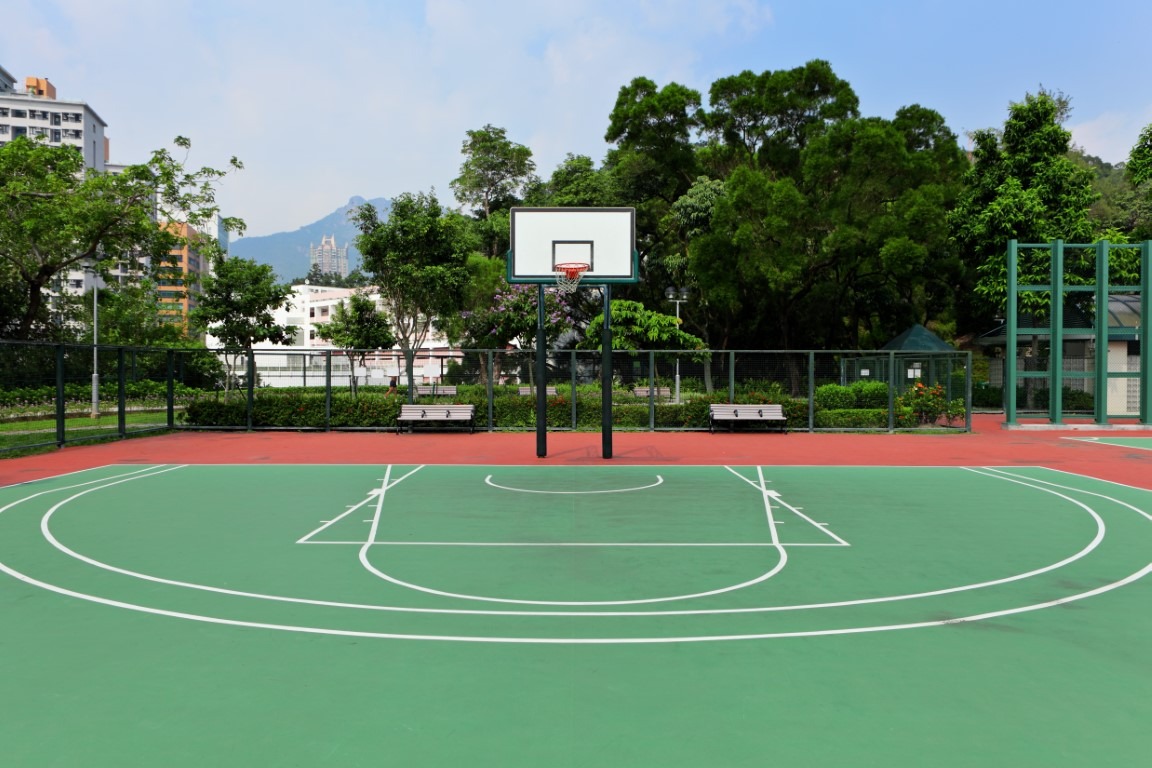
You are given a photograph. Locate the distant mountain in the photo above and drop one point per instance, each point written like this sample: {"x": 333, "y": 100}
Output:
{"x": 287, "y": 252}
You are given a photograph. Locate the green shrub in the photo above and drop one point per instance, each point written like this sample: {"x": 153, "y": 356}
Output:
{"x": 927, "y": 402}
{"x": 214, "y": 412}
{"x": 984, "y": 395}
{"x": 834, "y": 397}
{"x": 870, "y": 394}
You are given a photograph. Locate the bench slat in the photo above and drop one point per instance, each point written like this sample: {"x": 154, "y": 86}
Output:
{"x": 446, "y": 413}
{"x": 772, "y": 413}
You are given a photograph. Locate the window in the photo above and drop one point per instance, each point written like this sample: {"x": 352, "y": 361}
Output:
{"x": 55, "y": 118}
{"x": 55, "y": 135}
{"x": 3, "y": 111}
{"x": 19, "y": 130}
{"x": 3, "y": 129}
{"x": 19, "y": 113}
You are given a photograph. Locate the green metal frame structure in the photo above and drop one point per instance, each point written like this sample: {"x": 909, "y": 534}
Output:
{"x": 1056, "y": 332}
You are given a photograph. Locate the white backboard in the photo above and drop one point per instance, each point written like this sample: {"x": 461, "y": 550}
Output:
{"x": 604, "y": 238}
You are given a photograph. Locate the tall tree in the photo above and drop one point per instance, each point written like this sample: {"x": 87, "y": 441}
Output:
{"x": 847, "y": 253}
{"x": 418, "y": 258}
{"x": 236, "y": 305}
{"x": 766, "y": 120}
{"x": 1023, "y": 185}
{"x": 132, "y": 315}
{"x": 494, "y": 171}
{"x": 359, "y": 328}
{"x": 56, "y": 216}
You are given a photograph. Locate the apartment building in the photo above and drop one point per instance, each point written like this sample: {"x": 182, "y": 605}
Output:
{"x": 303, "y": 361}
{"x": 35, "y": 111}
{"x": 328, "y": 257}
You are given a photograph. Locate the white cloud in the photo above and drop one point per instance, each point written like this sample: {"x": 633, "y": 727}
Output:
{"x": 1111, "y": 135}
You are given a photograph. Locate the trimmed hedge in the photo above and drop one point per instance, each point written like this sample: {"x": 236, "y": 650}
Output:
{"x": 304, "y": 409}
{"x": 863, "y": 418}
{"x": 145, "y": 389}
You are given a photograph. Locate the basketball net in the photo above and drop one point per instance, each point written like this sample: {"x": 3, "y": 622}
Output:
{"x": 568, "y": 275}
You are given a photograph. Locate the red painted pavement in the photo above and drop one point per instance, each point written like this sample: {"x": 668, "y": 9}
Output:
{"x": 987, "y": 445}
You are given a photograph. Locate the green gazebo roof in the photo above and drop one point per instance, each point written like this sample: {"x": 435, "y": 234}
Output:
{"x": 918, "y": 339}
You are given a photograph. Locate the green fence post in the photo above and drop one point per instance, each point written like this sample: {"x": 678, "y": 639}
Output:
{"x": 732, "y": 376}
{"x": 651, "y": 390}
{"x": 1100, "y": 400}
{"x": 811, "y": 390}
{"x": 1056, "y": 336}
{"x": 327, "y": 390}
{"x": 967, "y": 391}
{"x": 1145, "y": 320}
{"x": 572, "y": 384}
{"x": 171, "y": 383}
{"x": 121, "y": 394}
{"x": 61, "y": 412}
{"x": 251, "y": 388}
{"x": 1010, "y": 323}
{"x": 490, "y": 367}
{"x": 891, "y": 390}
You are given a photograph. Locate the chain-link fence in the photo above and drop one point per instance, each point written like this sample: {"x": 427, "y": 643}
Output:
{"x": 47, "y": 395}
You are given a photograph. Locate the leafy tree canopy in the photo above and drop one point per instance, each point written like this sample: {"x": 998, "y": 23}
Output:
{"x": 237, "y": 302}
{"x": 56, "y": 216}
{"x": 418, "y": 258}
{"x": 636, "y": 327}
{"x": 494, "y": 171}
{"x": 357, "y": 327}
{"x": 1023, "y": 185}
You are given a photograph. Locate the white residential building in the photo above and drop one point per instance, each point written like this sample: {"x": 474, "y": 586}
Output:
{"x": 35, "y": 111}
{"x": 303, "y": 361}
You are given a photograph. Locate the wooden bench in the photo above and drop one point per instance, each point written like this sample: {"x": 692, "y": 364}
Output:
{"x": 436, "y": 390}
{"x": 549, "y": 391}
{"x": 771, "y": 414}
{"x": 658, "y": 392}
{"x": 444, "y": 414}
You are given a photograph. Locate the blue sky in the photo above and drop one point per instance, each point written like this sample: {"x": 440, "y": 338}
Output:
{"x": 325, "y": 100}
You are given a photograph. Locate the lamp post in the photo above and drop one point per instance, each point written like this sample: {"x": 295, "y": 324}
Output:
{"x": 677, "y": 296}
{"x": 95, "y": 338}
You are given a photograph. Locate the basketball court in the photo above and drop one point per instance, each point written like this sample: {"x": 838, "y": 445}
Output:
{"x": 246, "y": 599}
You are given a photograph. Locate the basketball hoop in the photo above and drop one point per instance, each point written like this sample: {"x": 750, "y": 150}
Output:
{"x": 568, "y": 275}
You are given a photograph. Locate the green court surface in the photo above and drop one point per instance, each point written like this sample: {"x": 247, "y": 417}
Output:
{"x": 1142, "y": 443}
{"x": 575, "y": 616}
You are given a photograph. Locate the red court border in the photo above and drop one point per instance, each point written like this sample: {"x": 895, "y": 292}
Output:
{"x": 989, "y": 444}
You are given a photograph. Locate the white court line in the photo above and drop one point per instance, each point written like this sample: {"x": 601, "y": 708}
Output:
{"x": 1135, "y": 509}
{"x": 523, "y": 613}
{"x": 1099, "y": 440}
{"x": 795, "y": 510}
{"x": 569, "y": 640}
{"x": 781, "y": 562}
{"x": 133, "y": 475}
{"x": 736, "y": 544}
{"x": 659, "y": 481}
{"x": 73, "y": 472}
{"x": 352, "y": 509}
